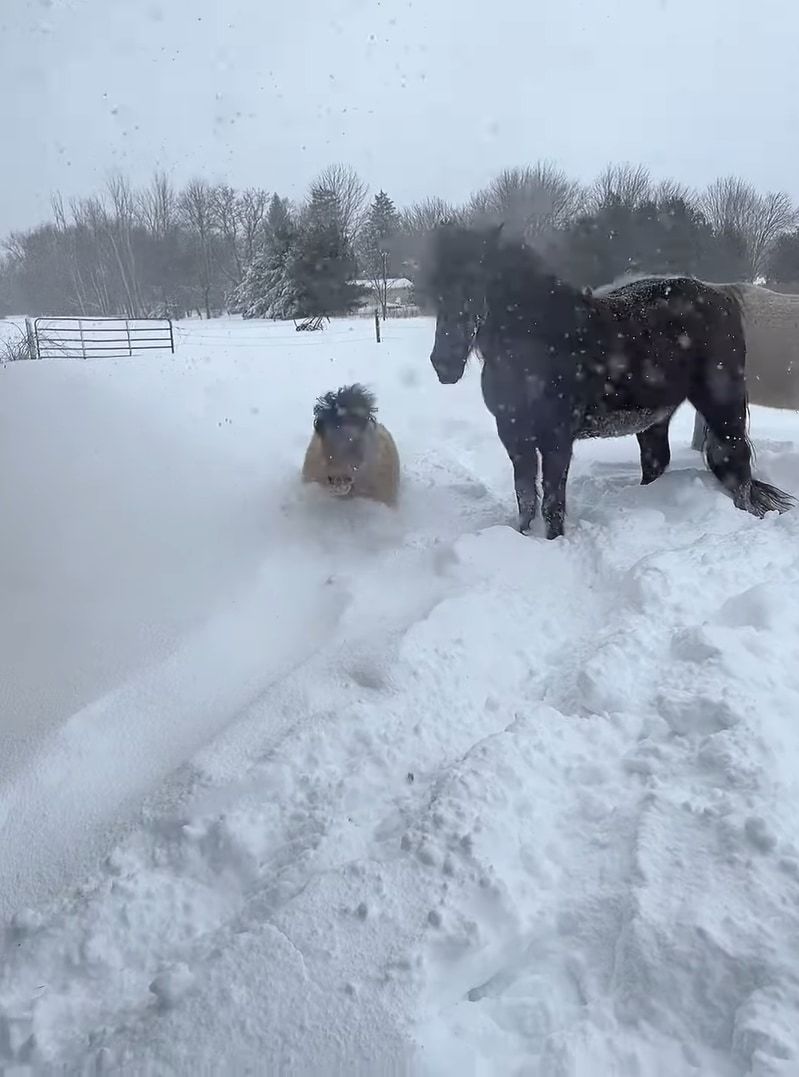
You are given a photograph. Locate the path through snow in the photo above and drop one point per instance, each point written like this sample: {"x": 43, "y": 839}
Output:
{"x": 448, "y": 800}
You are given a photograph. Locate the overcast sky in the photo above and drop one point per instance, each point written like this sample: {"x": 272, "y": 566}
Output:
{"x": 421, "y": 96}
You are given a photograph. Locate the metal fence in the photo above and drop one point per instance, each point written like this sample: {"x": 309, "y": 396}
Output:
{"x": 406, "y": 311}
{"x": 100, "y": 338}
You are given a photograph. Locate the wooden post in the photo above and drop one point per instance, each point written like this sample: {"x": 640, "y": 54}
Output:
{"x": 384, "y": 286}
{"x": 33, "y": 351}
{"x": 377, "y": 325}
{"x": 127, "y": 330}
{"x": 82, "y": 339}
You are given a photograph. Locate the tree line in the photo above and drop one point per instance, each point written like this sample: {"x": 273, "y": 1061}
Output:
{"x": 209, "y": 249}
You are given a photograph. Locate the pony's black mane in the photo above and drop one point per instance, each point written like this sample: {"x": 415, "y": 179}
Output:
{"x": 351, "y": 403}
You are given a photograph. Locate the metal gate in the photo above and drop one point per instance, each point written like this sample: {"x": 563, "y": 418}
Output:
{"x": 100, "y": 338}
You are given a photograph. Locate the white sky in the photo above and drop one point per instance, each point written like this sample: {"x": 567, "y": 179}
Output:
{"x": 421, "y": 96}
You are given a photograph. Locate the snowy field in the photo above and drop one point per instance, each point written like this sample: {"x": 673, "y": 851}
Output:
{"x": 290, "y": 786}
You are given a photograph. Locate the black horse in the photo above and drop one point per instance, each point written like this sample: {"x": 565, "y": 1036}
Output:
{"x": 560, "y": 365}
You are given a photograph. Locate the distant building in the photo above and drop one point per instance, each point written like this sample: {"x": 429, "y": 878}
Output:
{"x": 399, "y": 292}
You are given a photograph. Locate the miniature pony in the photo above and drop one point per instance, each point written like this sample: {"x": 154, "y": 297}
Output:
{"x": 350, "y": 453}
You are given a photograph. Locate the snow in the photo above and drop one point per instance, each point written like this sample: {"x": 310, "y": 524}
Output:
{"x": 290, "y": 785}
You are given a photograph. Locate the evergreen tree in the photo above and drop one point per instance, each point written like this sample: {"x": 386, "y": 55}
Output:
{"x": 783, "y": 264}
{"x": 599, "y": 247}
{"x": 381, "y": 227}
{"x": 267, "y": 289}
{"x": 683, "y": 237}
{"x": 726, "y": 258}
{"x": 321, "y": 264}
{"x": 653, "y": 236}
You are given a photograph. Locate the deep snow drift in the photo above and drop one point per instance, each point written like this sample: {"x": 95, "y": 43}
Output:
{"x": 295, "y": 786}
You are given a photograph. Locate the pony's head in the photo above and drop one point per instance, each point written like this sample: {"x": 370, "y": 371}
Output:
{"x": 457, "y": 279}
{"x": 342, "y": 420}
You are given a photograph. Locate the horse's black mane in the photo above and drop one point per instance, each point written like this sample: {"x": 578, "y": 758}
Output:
{"x": 351, "y": 403}
{"x": 508, "y": 263}
{"x": 527, "y": 278}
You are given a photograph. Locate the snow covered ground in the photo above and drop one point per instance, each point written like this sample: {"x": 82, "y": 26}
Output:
{"x": 290, "y": 786}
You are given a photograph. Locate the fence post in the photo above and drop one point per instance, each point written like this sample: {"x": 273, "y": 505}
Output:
{"x": 127, "y": 330}
{"x": 33, "y": 351}
{"x": 82, "y": 339}
{"x": 171, "y": 336}
{"x": 377, "y": 325}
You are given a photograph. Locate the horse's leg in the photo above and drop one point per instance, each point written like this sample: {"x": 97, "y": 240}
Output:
{"x": 523, "y": 454}
{"x": 554, "y": 472}
{"x": 700, "y": 432}
{"x": 729, "y": 455}
{"x": 655, "y": 451}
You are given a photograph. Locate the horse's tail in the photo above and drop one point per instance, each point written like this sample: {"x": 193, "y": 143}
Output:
{"x": 735, "y": 297}
{"x": 709, "y": 445}
{"x": 767, "y": 498}
{"x": 762, "y": 497}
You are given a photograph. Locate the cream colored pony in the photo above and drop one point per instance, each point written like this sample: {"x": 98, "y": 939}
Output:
{"x": 771, "y": 326}
{"x": 350, "y": 453}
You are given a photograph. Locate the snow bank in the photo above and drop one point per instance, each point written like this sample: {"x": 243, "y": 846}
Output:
{"x": 451, "y": 801}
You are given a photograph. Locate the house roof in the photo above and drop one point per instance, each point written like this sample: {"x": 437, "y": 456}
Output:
{"x": 391, "y": 282}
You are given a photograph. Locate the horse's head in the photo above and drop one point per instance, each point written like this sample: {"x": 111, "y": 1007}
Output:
{"x": 457, "y": 285}
{"x": 343, "y": 421}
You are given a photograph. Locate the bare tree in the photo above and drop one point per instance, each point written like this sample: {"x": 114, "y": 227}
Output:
{"x": 160, "y": 217}
{"x": 239, "y": 219}
{"x": 670, "y": 190}
{"x": 530, "y": 201}
{"x": 198, "y": 211}
{"x": 252, "y": 206}
{"x": 157, "y": 206}
{"x": 119, "y": 223}
{"x": 408, "y": 248}
{"x": 479, "y": 207}
{"x": 350, "y": 193}
{"x": 90, "y": 255}
{"x": 425, "y": 215}
{"x": 727, "y": 203}
{"x": 731, "y": 205}
{"x": 627, "y": 184}
{"x": 224, "y": 201}
{"x": 68, "y": 240}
